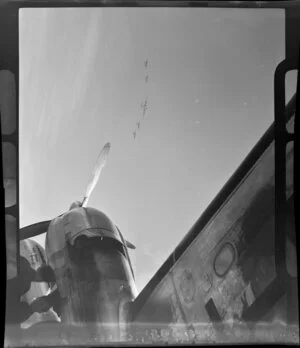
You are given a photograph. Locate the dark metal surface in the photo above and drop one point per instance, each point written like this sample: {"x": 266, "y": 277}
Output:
{"x": 280, "y": 165}
{"x": 215, "y": 205}
{"x": 251, "y": 287}
{"x": 97, "y": 289}
{"x": 34, "y": 229}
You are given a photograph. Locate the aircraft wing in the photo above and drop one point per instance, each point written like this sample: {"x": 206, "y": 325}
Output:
{"x": 224, "y": 268}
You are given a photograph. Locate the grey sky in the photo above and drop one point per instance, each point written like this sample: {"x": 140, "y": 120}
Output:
{"x": 82, "y": 82}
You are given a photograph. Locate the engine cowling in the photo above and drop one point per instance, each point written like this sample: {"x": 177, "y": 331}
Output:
{"x": 93, "y": 273}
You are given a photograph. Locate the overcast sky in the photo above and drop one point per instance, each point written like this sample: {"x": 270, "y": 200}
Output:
{"x": 82, "y": 82}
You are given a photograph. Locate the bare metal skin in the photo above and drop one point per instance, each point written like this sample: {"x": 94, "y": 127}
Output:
{"x": 93, "y": 274}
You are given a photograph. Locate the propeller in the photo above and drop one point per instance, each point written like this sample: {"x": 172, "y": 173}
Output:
{"x": 42, "y": 227}
{"x": 34, "y": 229}
{"x": 100, "y": 164}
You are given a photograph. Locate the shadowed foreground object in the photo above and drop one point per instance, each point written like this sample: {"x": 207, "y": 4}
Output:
{"x": 93, "y": 273}
{"x": 224, "y": 271}
{"x": 34, "y": 255}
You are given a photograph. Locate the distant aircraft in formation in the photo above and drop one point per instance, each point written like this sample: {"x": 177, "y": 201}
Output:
{"x": 144, "y": 107}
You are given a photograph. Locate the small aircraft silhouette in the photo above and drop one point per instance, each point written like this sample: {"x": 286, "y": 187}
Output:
{"x": 134, "y": 134}
{"x": 144, "y": 107}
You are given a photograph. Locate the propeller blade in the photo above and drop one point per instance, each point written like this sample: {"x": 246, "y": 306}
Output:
{"x": 34, "y": 230}
{"x": 100, "y": 164}
{"x": 42, "y": 227}
{"x": 129, "y": 245}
